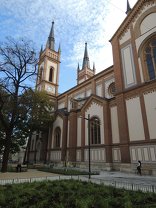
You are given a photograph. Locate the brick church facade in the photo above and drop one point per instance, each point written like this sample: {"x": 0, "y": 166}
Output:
{"x": 118, "y": 104}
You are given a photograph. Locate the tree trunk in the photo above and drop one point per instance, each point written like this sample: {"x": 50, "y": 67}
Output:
{"x": 6, "y": 152}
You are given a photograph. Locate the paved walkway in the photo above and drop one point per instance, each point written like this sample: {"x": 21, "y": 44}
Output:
{"x": 127, "y": 178}
{"x": 31, "y": 173}
{"x": 104, "y": 175}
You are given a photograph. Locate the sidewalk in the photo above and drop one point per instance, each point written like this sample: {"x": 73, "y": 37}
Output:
{"x": 112, "y": 176}
{"x": 31, "y": 173}
{"x": 127, "y": 177}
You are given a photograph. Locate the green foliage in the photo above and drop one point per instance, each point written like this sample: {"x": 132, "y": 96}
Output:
{"x": 72, "y": 194}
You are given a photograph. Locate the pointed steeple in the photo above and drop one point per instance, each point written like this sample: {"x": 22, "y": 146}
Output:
{"x": 51, "y": 39}
{"x": 78, "y": 67}
{"x": 93, "y": 66}
{"x": 128, "y": 7}
{"x": 59, "y": 48}
{"x": 86, "y": 58}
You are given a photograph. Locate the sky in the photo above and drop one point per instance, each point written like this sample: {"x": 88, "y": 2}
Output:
{"x": 76, "y": 22}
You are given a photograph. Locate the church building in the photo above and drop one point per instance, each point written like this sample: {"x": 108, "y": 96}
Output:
{"x": 108, "y": 118}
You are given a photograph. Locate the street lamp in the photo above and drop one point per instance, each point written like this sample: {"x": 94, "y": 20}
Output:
{"x": 89, "y": 161}
{"x": 89, "y": 146}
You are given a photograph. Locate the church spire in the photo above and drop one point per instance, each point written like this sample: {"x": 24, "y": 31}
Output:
{"x": 78, "y": 67}
{"x": 128, "y": 7}
{"x": 51, "y": 39}
{"x": 86, "y": 58}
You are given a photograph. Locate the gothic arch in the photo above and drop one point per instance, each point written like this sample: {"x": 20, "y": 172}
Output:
{"x": 147, "y": 53}
{"x": 51, "y": 74}
{"x": 57, "y": 137}
{"x": 95, "y": 133}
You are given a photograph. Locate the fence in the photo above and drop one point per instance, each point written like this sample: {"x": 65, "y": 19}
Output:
{"x": 117, "y": 184}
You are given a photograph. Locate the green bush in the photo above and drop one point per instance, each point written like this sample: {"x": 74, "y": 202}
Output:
{"x": 66, "y": 171}
{"x": 71, "y": 194}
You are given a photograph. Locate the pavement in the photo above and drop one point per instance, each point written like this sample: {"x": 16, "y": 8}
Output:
{"x": 104, "y": 175}
{"x": 127, "y": 178}
{"x": 30, "y": 173}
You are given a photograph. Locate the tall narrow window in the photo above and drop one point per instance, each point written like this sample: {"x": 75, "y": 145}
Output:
{"x": 95, "y": 131}
{"x": 57, "y": 137}
{"x": 150, "y": 58}
{"x": 51, "y": 74}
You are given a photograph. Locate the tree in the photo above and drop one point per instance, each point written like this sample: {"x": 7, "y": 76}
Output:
{"x": 17, "y": 66}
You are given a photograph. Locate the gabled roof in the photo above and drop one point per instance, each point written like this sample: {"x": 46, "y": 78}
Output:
{"x": 93, "y": 98}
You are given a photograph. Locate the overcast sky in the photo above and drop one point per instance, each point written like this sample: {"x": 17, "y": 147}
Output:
{"x": 76, "y": 22}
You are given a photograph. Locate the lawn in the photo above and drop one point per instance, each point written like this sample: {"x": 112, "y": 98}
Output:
{"x": 72, "y": 194}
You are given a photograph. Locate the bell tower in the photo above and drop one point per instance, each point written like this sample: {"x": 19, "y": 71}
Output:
{"x": 49, "y": 66}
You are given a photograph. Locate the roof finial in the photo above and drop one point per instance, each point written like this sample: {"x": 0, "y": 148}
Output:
{"x": 86, "y": 58}
{"x": 128, "y": 7}
{"x": 51, "y": 39}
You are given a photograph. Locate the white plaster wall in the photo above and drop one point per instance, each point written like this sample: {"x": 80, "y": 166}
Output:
{"x": 140, "y": 69}
{"x": 80, "y": 95}
{"x": 79, "y": 132}
{"x": 150, "y": 104}
{"x": 57, "y": 123}
{"x": 81, "y": 80}
{"x": 49, "y": 65}
{"x": 148, "y": 23}
{"x": 144, "y": 9}
{"x": 115, "y": 126}
{"x": 61, "y": 105}
{"x": 128, "y": 66}
{"x": 135, "y": 122}
{"x": 55, "y": 156}
{"x": 96, "y": 155}
{"x": 145, "y": 153}
{"x": 125, "y": 37}
{"x": 69, "y": 104}
{"x": 116, "y": 155}
{"x": 88, "y": 92}
{"x": 78, "y": 155}
{"x": 99, "y": 90}
{"x": 94, "y": 110}
{"x": 139, "y": 40}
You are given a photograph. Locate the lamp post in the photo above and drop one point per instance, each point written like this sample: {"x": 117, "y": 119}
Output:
{"x": 89, "y": 160}
{"x": 89, "y": 146}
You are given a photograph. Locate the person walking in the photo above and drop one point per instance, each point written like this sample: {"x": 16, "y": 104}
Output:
{"x": 139, "y": 167}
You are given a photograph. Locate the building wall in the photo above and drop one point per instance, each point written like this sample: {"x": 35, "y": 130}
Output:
{"x": 128, "y": 117}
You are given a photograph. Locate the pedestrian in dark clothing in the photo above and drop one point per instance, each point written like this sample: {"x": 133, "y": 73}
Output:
{"x": 139, "y": 167}
{"x": 18, "y": 168}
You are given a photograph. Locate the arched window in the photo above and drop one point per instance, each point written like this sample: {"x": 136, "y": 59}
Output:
{"x": 57, "y": 137}
{"x": 51, "y": 74}
{"x": 95, "y": 131}
{"x": 149, "y": 52}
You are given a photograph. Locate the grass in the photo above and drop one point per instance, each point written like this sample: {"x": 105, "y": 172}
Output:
{"x": 72, "y": 194}
{"x": 66, "y": 171}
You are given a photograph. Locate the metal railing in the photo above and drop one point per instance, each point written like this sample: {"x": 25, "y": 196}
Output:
{"x": 116, "y": 184}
